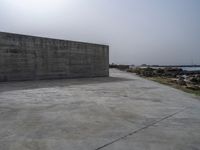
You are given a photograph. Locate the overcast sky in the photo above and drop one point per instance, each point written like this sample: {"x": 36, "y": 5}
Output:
{"x": 138, "y": 31}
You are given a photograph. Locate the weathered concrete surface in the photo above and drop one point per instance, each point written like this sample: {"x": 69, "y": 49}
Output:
{"x": 123, "y": 112}
{"x": 25, "y": 57}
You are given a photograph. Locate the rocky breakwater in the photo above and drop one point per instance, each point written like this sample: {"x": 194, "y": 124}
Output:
{"x": 176, "y": 77}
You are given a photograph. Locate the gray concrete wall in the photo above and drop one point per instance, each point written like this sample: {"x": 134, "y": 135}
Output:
{"x": 31, "y": 58}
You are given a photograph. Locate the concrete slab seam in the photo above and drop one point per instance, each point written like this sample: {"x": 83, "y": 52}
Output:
{"x": 143, "y": 128}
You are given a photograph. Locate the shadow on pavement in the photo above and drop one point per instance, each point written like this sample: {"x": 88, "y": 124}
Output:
{"x": 25, "y": 85}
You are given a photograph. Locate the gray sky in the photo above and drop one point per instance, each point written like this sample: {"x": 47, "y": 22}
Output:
{"x": 138, "y": 31}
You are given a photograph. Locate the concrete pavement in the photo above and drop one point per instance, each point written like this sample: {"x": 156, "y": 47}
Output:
{"x": 123, "y": 112}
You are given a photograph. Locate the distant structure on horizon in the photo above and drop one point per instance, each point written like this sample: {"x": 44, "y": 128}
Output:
{"x": 25, "y": 57}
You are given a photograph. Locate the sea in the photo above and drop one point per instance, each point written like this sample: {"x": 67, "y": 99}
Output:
{"x": 191, "y": 68}
{"x": 184, "y": 68}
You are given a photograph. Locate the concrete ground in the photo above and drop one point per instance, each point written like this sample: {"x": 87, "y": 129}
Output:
{"x": 123, "y": 112}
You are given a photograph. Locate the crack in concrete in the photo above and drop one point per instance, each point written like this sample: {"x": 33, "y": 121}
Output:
{"x": 141, "y": 129}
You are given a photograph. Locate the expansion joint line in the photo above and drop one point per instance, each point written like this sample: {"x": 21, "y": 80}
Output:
{"x": 141, "y": 129}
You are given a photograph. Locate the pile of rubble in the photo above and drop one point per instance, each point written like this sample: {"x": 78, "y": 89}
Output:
{"x": 191, "y": 81}
{"x": 152, "y": 72}
{"x": 177, "y": 75}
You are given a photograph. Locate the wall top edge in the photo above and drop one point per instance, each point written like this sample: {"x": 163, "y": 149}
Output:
{"x": 48, "y": 38}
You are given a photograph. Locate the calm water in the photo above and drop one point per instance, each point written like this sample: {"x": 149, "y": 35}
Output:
{"x": 191, "y": 68}
{"x": 184, "y": 68}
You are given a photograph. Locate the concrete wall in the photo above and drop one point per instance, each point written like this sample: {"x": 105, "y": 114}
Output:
{"x": 30, "y": 58}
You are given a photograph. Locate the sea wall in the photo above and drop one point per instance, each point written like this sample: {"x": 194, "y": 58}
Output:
{"x": 25, "y": 57}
